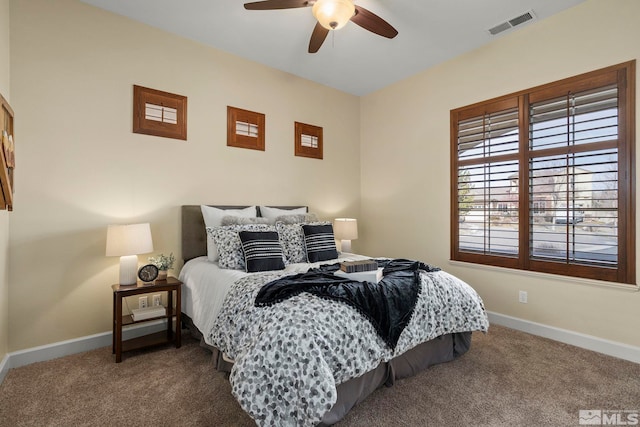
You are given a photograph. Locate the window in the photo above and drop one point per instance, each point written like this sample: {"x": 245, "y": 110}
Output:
{"x": 544, "y": 178}
{"x": 538, "y": 207}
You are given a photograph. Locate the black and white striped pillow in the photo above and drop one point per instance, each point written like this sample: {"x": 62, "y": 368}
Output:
{"x": 319, "y": 242}
{"x": 262, "y": 251}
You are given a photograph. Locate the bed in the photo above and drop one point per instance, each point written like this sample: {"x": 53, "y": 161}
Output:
{"x": 308, "y": 359}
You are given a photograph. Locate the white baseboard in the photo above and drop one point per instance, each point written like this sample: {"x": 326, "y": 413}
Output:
{"x": 4, "y": 367}
{"x": 78, "y": 345}
{"x": 600, "y": 345}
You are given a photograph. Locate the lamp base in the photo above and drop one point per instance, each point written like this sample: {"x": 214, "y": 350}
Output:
{"x": 129, "y": 270}
{"x": 345, "y": 245}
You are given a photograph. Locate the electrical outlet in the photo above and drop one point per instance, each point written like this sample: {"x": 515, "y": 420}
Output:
{"x": 522, "y": 297}
{"x": 157, "y": 300}
{"x": 143, "y": 302}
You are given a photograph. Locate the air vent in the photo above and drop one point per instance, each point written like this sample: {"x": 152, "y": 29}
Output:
{"x": 499, "y": 28}
{"x": 504, "y": 26}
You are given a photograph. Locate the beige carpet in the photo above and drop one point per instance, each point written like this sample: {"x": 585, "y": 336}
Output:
{"x": 508, "y": 378}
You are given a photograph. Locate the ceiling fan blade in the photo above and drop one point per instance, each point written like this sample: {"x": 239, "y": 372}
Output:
{"x": 317, "y": 38}
{"x": 276, "y": 4}
{"x": 372, "y": 22}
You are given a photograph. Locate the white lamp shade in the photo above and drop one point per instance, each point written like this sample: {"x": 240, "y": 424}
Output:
{"x": 131, "y": 239}
{"x": 333, "y": 14}
{"x": 127, "y": 241}
{"x": 345, "y": 228}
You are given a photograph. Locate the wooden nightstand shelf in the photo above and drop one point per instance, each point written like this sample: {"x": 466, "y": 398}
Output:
{"x": 171, "y": 286}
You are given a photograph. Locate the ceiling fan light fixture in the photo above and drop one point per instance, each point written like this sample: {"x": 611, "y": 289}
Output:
{"x": 333, "y": 14}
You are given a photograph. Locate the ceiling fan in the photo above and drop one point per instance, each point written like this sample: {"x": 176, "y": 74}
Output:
{"x": 331, "y": 15}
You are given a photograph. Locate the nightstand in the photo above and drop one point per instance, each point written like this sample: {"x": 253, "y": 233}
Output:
{"x": 170, "y": 286}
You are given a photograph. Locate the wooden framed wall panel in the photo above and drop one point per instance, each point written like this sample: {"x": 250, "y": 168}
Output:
{"x": 245, "y": 129}
{"x": 308, "y": 141}
{"x": 159, "y": 113}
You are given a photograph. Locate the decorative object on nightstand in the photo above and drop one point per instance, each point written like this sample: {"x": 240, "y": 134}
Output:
{"x": 345, "y": 230}
{"x": 127, "y": 242}
{"x": 164, "y": 263}
{"x": 139, "y": 314}
{"x": 148, "y": 273}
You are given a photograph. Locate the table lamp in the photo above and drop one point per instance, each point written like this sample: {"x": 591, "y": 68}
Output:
{"x": 127, "y": 241}
{"x": 345, "y": 230}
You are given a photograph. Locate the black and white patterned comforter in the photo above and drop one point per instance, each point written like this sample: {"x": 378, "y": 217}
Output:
{"x": 290, "y": 356}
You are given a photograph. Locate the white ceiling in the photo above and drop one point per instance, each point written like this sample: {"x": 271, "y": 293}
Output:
{"x": 352, "y": 59}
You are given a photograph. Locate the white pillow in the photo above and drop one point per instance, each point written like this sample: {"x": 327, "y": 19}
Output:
{"x": 273, "y": 213}
{"x": 213, "y": 218}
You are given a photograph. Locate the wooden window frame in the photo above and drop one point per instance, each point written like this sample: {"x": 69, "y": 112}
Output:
{"x": 623, "y": 75}
{"x": 144, "y": 95}
{"x": 305, "y": 151}
{"x": 245, "y": 141}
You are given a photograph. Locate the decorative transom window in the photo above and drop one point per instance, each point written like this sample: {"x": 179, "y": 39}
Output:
{"x": 544, "y": 178}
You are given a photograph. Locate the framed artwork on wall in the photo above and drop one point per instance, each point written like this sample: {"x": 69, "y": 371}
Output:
{"x": 7, "y": 155}
{"x": 308, "y": 141}
{"x": 159, "y": 113}
{"x": 245, "y": 129}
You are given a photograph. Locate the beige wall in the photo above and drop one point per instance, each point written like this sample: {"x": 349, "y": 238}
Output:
{"x": 81, "y": 168}
{"x": 405, "y": 160}
{"x": 4, "y": 216}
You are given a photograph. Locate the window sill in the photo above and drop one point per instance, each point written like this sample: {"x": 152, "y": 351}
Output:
{"x": 575, "y": 280}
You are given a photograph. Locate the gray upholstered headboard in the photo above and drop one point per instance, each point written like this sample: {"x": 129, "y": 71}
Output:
{"x": 194, "y": 236}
